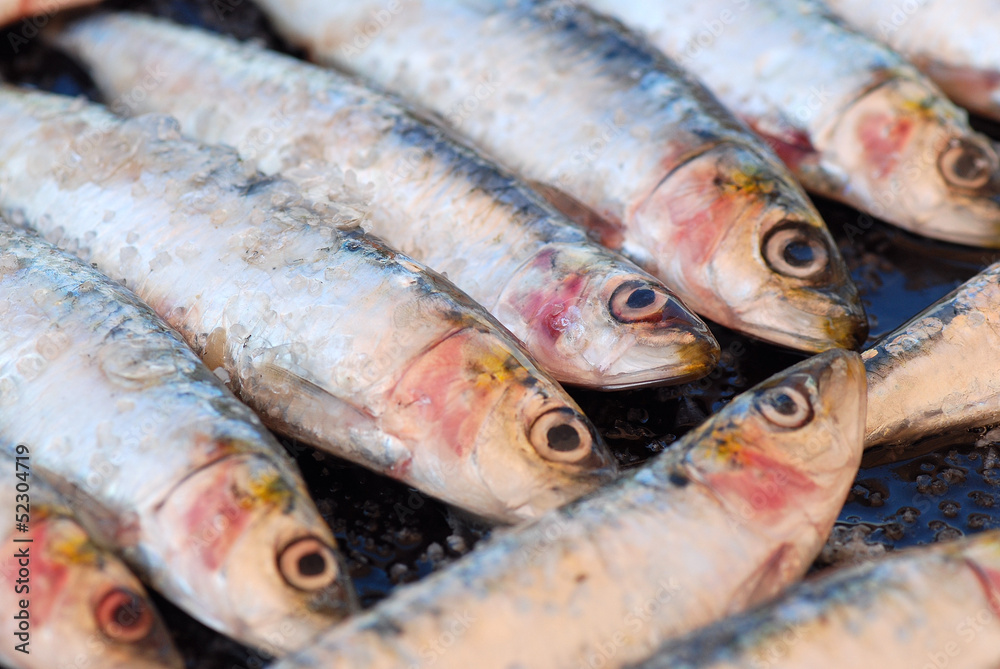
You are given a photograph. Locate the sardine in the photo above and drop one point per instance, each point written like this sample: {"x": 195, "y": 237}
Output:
{"x": 853, "y": 119}
{"x": 619, "y": 139}
{"x": 929, "y": 608}
{"x": 68, "y": 602}
{"x": 729, "y": 516}
{"x": 585, "y": 314}
{"x": 331, "y": 336}
{"x": 937, "y": 373}
{"x": 954, "y": 43}
{"x": 156, "y": 456}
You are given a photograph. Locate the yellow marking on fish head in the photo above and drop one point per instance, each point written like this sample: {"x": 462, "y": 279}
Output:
{"x": 74, "y": 548}
{"x": 750, "y": 181}
{"x": 270, "y": 488}
{"x": 728, "y": 450}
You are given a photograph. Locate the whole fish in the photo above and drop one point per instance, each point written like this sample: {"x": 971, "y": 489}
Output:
{"x": 585, "y": 314}
{"x": 853, "y": 119}
{"x": 68, "y": 602}
{"x": 733, "y": 513}
{"x": 162, "y": 462}
{"x": 954, "y": 43}
{"x": 331, "y": 336}
{"x": 937, "y": 373}
{"x": 615, "y": 136}
{"x": 931, "y": 607}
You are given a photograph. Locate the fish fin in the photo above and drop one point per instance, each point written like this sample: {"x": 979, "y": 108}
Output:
{"x": 282, "y": 376}
{"x": 774, "y": 575}
{"x": 325, "y": 420}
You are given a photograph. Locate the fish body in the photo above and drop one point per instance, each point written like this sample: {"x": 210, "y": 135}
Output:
{"x": 331, "y": 336}
{"x": 615, "y": 136}
{"x": 565, "y": 297}
{"x": 159, "y": 459}
{"x": 951, "y": 42}
{"x": 68, "y": 601}
{"x": 853, "y": 119}
{"x": 935, "y": 373}
{"x": 729, "y": 516}
{"x": 932, "y": 606}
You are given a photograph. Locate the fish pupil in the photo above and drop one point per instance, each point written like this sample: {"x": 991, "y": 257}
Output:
{"x": 784, "y": 404}
{"x": 563, "y": 438}
{"x": 969, "y": 165}
{"x": 312, "y": 564}
{"x": 640, "y": 298}
{"x": 799, "y": 253}
{"x": 127, "y": 613}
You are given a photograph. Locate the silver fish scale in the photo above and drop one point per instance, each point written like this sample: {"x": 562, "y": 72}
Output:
{"x": 612, "y": 133}
{"x": 124, "y": 418}
{"x": 320, "y": 330}
{"x": 417, "y": 187}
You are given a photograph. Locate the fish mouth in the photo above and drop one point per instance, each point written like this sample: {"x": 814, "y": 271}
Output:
{"x": 841, "y": 376}
{"x": 669, "y": 344}
{"x": 694, "y": 356}
{"x": 846, "y": 328}
{"x": 899, "y": 127}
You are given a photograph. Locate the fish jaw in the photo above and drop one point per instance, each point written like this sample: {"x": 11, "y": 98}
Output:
{"x": 242, "y": 517}
{"x": 500, "y": 435}
{"x": 743, "y": 246}
{"x": 84, "y": 599}
{"x": 912, "y": 371}
{"x": 914, "y": 161}
{"x": 593, "y": 322}
{"x": 791, "y": 454}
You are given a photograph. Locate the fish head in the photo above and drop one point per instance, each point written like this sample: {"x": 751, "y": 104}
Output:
{"x": 593, "y": 319}
{"x": 747, "y": 249}
{"x": 910, "y": 154}
{"x": 504, "y": 439}
{"x": 789, "y": 447}
{"x": 85, "y": 605}
{"x": 255, "y": 545}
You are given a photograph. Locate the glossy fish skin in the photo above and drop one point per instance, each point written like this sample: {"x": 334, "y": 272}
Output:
{"x": 329, "y": 335}
{"x": 617, "y": 137}
{"x": 936, "y": 373}
{"x": 733, "y": 513}
{"x": 85, "y": 606}
{"x": 564, "y": 296}
{"x": 923, "y": 607}
{"x": 123, "y": 418}
{"x": 853, "y": 120}
{"x": 954, "y": 43}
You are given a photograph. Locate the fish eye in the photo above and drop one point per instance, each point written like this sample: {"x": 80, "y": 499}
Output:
{"x": 796, "y": 250}
{"x": 967, "y": 165}
{"x": 560, "y": 435}
{"x": 308, "y": 564}
{"x": 639, "y": 301}
{"x": 125, "y": 616}
{"x": 785, "y": 406}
